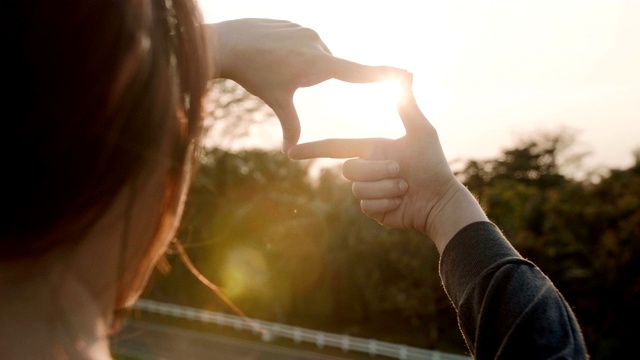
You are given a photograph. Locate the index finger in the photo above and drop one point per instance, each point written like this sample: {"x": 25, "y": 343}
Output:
{"x": 353, "y": 72}
{"x": 334, "y": 148}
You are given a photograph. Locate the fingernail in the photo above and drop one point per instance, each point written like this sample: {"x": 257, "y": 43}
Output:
{"x": 403, "y": 185}
{"x": 394, "y": 168}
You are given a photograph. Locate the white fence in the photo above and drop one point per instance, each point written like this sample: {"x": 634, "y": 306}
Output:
{"x": 269, "y": 331}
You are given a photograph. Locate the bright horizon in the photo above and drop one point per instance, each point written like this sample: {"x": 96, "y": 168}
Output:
{"x": 485, "y": 72}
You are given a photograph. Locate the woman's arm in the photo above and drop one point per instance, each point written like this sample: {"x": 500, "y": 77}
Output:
{"x": 507, "y": 308}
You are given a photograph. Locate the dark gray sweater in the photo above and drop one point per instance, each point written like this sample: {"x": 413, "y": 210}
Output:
{"x": 507, "y": 308}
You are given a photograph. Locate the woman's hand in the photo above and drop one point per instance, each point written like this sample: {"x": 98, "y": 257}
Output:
{"x": 273, "y": 58}
{"x": 404, "y": 183}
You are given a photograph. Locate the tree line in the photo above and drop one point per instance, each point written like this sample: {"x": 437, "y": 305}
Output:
{"x": 295, "y": 249}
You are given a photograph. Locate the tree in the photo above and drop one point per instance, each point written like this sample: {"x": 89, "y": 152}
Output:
{"x": 583, "y": 233}
{"x": 543, "y": 159}
{"x": 232, "y": 114}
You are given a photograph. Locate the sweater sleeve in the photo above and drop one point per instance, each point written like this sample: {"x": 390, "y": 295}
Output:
{"x": 507, "y": 308}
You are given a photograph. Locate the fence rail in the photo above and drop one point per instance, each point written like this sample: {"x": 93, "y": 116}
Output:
{"x": 269, "y": 331}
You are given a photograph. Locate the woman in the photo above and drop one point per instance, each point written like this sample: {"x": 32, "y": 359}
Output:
{"x": 107, "y": 109}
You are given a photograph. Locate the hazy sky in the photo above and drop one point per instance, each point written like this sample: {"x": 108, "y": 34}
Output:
{"x": 485, "y": 72}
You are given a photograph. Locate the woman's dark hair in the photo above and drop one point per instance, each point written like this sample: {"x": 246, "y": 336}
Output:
{"x": 94, "y": 91}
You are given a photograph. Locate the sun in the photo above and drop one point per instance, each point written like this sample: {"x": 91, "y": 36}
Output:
{"x": 381, "y": 101}
{"x": 336, "y": 109}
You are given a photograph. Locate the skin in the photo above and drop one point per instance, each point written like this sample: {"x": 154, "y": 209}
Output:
{"x": 403, "y": 183}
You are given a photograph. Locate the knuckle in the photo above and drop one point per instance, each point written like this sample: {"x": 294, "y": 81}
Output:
{"x": 310, "y": 33}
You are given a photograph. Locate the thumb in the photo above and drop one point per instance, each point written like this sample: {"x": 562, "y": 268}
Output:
{"x": 286, "y": 112}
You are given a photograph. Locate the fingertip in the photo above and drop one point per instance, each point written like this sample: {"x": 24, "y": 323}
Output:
{"x": 394, "y": 73}
{"x": 388, "y": 73}
{"x": 290, "y": 135}
{"x": 403, "y": 186}
{"x": 408, "y": 79}
{"x": 304, "y": 151}
{"x": 407, "y": 100}
{"x": 406, "y": 86}
{"x": 289, "y": 121}
{"x": 354, "y": 72}
{"x": 286, "y": 147}
{"x": 377, "y": 208}
{"x": 291, "y": 152}
{"x": 393, "y": 168}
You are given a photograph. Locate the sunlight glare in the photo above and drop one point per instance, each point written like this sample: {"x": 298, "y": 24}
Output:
{"x": 352, "y": 110}
{"x": 384, "y": 97}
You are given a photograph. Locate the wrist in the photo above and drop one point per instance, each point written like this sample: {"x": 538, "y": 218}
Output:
{"x": 455, "y": 210}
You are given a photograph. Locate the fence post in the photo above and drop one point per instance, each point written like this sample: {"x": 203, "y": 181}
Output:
{"x": 373, "y": 348}
{"x": 266, "y": 336}
{"x": 320, "y": 340}
{"x": 297, "y": 335}
{"x": 345, "y": 343}
{"x": 403, "y": 353}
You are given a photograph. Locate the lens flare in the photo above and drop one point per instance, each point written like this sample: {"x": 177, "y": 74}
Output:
{"x": 245, "y": 271}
